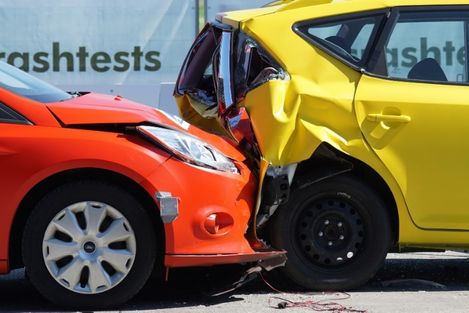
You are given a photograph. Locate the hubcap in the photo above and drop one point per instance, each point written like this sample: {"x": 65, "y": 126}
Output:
{"x": 89, "y": 247}
{"x": 330, "y": 232}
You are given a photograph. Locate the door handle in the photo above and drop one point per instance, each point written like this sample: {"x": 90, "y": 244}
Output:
{"x": 388, "y": 118}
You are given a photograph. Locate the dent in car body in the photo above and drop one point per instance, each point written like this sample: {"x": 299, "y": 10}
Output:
{"x": 292, "y": 117}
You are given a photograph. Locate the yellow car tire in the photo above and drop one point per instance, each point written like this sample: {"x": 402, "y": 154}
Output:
{"x": 336, "y": 232}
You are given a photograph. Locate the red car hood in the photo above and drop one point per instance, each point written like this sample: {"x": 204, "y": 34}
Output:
{"x": 94, "y": 109}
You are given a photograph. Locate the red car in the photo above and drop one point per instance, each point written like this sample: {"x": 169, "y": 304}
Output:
{"x": 98, "y": 191}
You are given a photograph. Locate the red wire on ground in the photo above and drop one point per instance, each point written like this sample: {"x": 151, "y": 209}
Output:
{"x": 327, "y": 305}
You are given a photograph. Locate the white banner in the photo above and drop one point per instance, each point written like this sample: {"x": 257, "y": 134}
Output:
{"x": 121, "y": 46}
{"x": 215, "y": 6}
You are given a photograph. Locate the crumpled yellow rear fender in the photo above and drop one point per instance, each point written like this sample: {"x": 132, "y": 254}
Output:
{"x": 291, "y": 118}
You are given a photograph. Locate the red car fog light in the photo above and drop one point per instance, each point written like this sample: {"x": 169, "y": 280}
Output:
{"x": 218, "y": 223}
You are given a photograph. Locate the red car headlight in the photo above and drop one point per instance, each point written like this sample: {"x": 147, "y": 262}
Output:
{"x": 189, "y": 148}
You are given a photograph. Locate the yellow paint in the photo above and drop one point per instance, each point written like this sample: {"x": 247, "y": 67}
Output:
{"x": 263, "y": 166}
{"x": 291, "y": 118}
{"x": 186, "y": 106}
{"x": 298, "y": 10}
{"x": 425, "y": 151}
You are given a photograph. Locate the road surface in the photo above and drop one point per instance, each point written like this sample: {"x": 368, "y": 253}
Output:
{"x": 410, "y": 282}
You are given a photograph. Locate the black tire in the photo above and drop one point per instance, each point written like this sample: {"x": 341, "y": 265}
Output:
{"x": 75, "y": 192}
{"x": 336, "y": 232}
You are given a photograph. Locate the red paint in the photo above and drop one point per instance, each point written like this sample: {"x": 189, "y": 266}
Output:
{"x": 3, "y": 266}
{"x": 57, "y": 142}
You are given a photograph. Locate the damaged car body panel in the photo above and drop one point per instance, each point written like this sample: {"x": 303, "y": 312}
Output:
{"x": 291, "y": 117}
{"x": 195, "y": 86}
{"x": 302, "y": 78}
{"x": 289, "y": 112}
{"x": 99, "y": 191}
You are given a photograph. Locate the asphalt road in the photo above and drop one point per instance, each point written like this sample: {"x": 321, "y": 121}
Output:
{"x": 412, "y": 282}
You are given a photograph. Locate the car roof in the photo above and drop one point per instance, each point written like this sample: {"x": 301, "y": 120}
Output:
{"x": 327, "y": 7}
{"x": 293, "y": 4}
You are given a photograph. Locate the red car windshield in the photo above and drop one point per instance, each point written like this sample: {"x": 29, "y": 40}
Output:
{"x": 28, "y": 86}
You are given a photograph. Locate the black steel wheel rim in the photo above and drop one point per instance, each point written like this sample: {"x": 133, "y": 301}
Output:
{"x": 330, "y": 232}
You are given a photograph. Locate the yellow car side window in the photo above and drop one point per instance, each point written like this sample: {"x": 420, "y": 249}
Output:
{"x": 426, "y": 46}
{"x": 347, "y": 38}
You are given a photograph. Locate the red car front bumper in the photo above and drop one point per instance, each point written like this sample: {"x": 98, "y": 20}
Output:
{"x": 214, "y": 213}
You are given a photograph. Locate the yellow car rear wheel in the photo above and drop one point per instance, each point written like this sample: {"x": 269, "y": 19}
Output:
{"x": 337, "y": 233}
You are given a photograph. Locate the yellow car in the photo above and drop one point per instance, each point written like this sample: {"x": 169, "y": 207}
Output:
{"x": 354, "y": 115}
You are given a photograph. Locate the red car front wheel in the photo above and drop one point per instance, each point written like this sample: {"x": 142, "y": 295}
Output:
{"x": 88, "y": 245}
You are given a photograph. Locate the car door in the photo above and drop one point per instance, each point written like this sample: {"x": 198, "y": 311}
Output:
{"x": 412, "y": 106}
